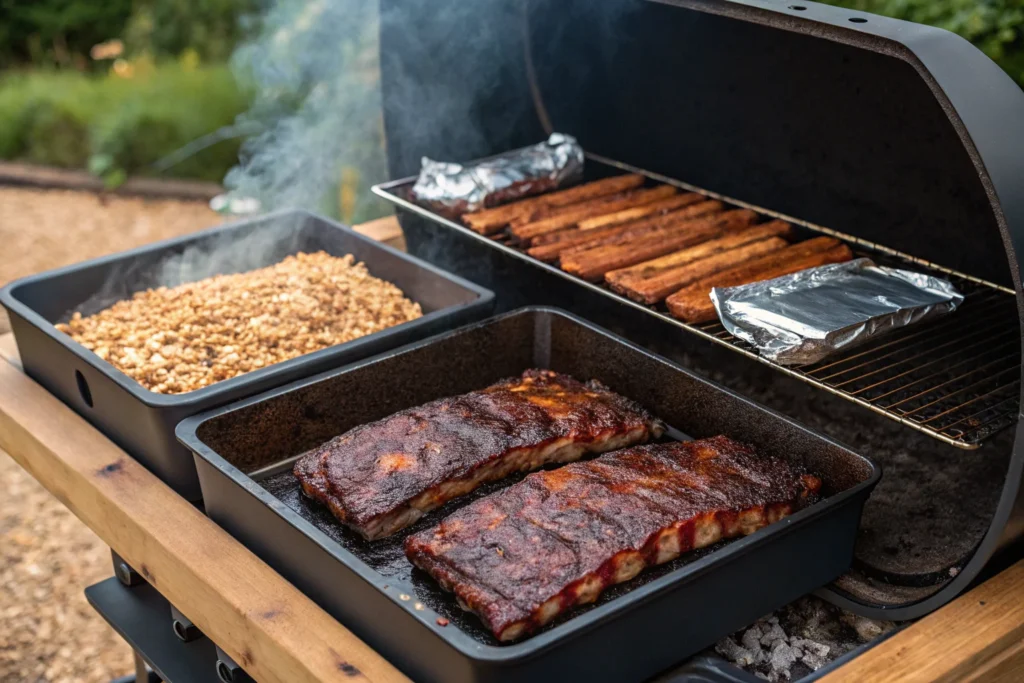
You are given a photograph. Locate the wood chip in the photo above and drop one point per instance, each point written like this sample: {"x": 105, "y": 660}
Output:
{"x": 175, "y": 340}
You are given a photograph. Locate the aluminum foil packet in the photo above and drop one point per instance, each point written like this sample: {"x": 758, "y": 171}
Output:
{"x": 454, "y": 189}
{"x": 805, "y": 317}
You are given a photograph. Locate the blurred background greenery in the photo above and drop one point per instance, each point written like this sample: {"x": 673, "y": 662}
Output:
{"x": 995, "y": 26}
{"x": 123, "y": 87}
{"x": 116, "y": 86}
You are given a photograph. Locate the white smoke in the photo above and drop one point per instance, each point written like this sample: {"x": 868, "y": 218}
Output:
{"x": 315, "y": 69}
{"x": 315, "y": 72}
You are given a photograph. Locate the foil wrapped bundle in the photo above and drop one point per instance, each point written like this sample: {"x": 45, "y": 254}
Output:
{"x": 454, "y": 189}
{"x": 805, "y": 317}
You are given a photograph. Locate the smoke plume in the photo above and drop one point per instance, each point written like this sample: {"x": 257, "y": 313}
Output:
{"x": 315, "y": 74}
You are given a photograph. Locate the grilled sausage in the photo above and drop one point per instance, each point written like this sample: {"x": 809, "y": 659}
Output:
{"x": 490, "y": 221}
{"x": 598, "y": 207}
{"x": 594, "y": 263}
{"x": 550, "y": 247}
{"x": 652, "y": 281}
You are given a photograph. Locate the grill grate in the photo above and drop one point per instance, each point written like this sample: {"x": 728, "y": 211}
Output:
{"x": 956, "y": 378}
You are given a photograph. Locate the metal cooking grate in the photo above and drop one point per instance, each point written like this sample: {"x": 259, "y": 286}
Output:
{"x": 956, "y": 378}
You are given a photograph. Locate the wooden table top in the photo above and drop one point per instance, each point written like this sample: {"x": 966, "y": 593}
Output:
{"x": 278, "y": 635}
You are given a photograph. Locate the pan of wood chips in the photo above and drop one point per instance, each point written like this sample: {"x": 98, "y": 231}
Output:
{"x": 172, "y": 340}
{"x": 136, "y": 342}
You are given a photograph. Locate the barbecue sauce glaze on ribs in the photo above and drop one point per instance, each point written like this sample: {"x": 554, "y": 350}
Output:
{"x": 520, "y": 557}
{"x": 383, "y": 476}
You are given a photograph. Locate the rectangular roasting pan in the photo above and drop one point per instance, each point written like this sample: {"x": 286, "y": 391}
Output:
{"x": 244, "y": 453}
{"x": 142, "y": 422}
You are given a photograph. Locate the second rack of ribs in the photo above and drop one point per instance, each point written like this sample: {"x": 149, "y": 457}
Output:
{"x": 520, "y": 557}
{"x": 383, "y": 476}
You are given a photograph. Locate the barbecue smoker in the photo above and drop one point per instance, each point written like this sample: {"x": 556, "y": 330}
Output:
{"x": 902, "y": 139}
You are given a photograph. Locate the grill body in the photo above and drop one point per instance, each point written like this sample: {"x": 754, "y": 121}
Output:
{"x": 894, "y": 133}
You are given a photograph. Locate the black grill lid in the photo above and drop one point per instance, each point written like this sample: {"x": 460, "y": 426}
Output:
{"x": 894, "y": 132}
{"x": 898, "y": 133}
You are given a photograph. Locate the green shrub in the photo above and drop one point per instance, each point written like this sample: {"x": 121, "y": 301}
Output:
{"x": 50, "y": 33}
{"x": 15, "y": 117}
{"x": 124, "y": 125}
{"x": 57, "y": 32}
{"x": 995, "y": 26}
{"x": 171, "y": 27}
{"x": 132, "y": 138}
{"x": 56, "y": 135}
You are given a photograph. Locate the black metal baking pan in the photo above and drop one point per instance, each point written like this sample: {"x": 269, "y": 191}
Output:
{"x": 142, "y": 422}
{"x": 244, "y": 453}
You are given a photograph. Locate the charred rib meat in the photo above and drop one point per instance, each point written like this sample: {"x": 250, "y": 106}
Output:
{"x": 383, "y": 476}
{"x": 520, "y": 557}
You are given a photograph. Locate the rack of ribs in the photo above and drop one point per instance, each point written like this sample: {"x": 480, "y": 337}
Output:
{"x": 383, "y": 476}
{"x": 520, "y": 557}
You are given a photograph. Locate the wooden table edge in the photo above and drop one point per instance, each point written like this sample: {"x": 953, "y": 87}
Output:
{"x": 279, "y": 635}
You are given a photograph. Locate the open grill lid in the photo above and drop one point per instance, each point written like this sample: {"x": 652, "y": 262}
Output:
{"x": 896, "y": 133}
{"x": 900, "y": 134}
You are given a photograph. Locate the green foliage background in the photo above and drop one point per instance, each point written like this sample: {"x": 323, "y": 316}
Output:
{"x": 211, "y": 28}
{"x": 995, "y": 26}
{"x": 58, "y": 106}
{"x": 118, "y": 126}
{"x": 57, "y": 32}
{"x": 60, "y": 33}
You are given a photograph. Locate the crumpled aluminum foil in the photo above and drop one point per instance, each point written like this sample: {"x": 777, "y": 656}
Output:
{"x": 804, "y": 317}
{"x": 454, "y": 189}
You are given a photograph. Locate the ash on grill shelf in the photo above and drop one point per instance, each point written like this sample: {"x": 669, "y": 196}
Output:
{"x": 798, "y": 639}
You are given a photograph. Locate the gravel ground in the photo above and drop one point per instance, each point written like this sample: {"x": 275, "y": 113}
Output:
{"x": 43, "y": 229}
{"x": 48, "y": 632}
